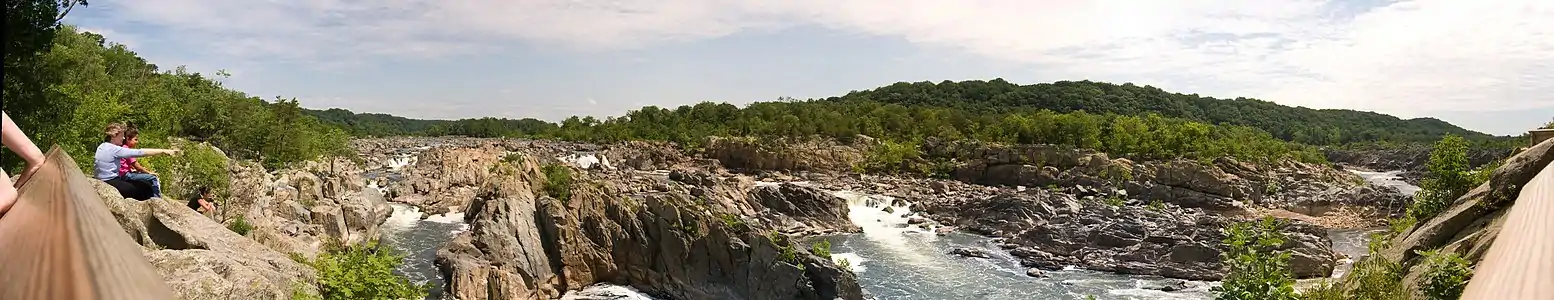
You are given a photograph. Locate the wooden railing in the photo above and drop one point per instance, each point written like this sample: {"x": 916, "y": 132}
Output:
{"x": 1520, "y": 264}
{"x": 60, "y": 242}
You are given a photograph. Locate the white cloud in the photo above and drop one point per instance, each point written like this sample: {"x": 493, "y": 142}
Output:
{"x": 1403, "y": 57}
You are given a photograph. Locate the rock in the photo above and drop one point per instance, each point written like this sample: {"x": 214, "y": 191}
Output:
{"x": 1034, "y": 272}
{"x": 970, "y": 252}
{"x": 1131, "y": 239}
{"x": 670, "y": 243}
{"x": 808, "y": 205}
{"x": 783, "y": 154}
{"x": 916, "y": 220}
{"x": 202, "y": 259}
{"x": 1168, "y": 285}
{"x": 332, "y": 220}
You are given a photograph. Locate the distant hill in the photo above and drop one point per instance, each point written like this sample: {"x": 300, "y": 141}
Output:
{"x": 996, "y": 97}
{"x": 1298, "y": 124}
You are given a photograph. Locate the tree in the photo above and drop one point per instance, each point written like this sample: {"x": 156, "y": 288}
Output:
{"x": 1449, "y": 177}
{"x": 30, "y": 27}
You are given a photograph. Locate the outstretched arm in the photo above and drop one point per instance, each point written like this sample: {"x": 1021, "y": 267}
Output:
{"x": 17, "y": 141}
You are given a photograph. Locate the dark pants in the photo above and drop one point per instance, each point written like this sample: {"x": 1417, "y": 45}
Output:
{"x": 133, "y": 189}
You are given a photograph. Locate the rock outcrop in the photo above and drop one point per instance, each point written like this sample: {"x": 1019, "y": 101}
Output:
{"x": 1222, "y": 185}
{"x": 526, "y": 245}
{"x": 786, "y": 155}
{"x": 202, "y": 259}
{"x": 1469, "y": 227}
{"x": 805, "y": 208}
{"x": 1049, "y": 231}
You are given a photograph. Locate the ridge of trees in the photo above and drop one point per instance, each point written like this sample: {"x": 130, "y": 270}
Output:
{"x": 1144, "y": 136}
{"x": 965, "y": 103}
{"x": 1297, "y": 124}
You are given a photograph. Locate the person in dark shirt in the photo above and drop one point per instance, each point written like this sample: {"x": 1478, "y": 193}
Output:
{"x": 203, "y": 201}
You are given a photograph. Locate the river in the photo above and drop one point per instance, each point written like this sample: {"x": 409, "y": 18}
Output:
{"x": 892, "y": 260}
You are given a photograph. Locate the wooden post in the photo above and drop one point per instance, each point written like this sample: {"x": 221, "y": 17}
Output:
{"x": 61, "y": 242}
{"x": 1540, "y": 135}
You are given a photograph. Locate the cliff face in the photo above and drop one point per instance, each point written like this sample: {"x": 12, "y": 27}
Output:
{"x": 1470, "y": 225}
{"x": 658, "y": 238}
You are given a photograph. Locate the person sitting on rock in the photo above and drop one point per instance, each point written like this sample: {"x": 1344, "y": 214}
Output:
{"x": 203, "y": 201}
{"x": 105, "y": 163}
{"x": 130, "y": 169}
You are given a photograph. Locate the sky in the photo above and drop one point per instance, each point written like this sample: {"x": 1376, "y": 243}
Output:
{"x": 1486, "y": 65}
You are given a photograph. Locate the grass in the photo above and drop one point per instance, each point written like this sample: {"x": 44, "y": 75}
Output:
{"x": 240, "y": 225}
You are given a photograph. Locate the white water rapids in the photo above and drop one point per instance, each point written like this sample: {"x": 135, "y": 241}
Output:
{"x": 893, "y": 260}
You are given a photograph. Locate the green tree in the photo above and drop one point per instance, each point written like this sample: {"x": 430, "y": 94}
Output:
{"x": 363, "y": 272}
{"x": 30, "y": 27}
{"x": 1257, "y": 269}
{"x": 1448, "y": 179}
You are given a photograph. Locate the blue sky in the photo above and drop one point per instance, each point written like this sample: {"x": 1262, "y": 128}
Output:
{"x": 1484, "y": 65}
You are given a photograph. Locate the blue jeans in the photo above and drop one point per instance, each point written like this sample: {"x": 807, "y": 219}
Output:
{"x": 156, "y": 185}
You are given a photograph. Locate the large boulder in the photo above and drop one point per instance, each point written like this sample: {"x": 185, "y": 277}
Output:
{"x": 811, "y": 208}
{"x": 202, "y": 259}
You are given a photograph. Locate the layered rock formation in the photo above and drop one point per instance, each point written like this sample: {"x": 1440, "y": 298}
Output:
{"x": 1470, "y": 225}
{"x": 200, "y": 258}
{"x": 781, "y": 154}
{"x": 1053, "y": 230}
{"x": 526, "y": 245}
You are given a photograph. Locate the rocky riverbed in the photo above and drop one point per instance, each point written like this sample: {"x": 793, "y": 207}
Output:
{"x": 487, "y": 218}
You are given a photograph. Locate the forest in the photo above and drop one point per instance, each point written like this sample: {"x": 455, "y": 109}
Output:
{"x": 967, "y": 109}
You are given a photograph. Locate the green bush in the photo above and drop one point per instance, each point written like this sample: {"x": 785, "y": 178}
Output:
{"x": 821, "y": 249}
{"x": 1447, "y": 276}
{"x": 1448, "y": 179}
{"x": 1115, "y": 201}
{"x": 558, "y": 182}
{"x": 240, "y": 225}
{"x": 892, "y": 157}
{"x": 1324, "y": 290}
{"x": 844, "y": 264}
{"x": 363, "y": 272}
{"x": 199, "y": 165}
{"x": 1377, "y": 279}
{"x": 1156, "y": 205}
{"x": 1257, "y": 269}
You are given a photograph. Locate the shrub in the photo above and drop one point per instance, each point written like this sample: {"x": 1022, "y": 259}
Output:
{"x": 558, "y": 182}
{"x": 1447, "y": 275}
{"x": 822, "y": 249}
{"x": 1448, "y": 179}
{"x": 1257, "y": 269}
{"x": 1116, "y": 201}
{"x": 844, "y": 264}
{"x": 240, "y": 225}
{"x": 363, "y": 272}
{"x": 198, "y": 165}
{"x": 1377, "y": 279}
{"x": 733, "y": 222}
{"x": 1156, "y": 205}
{"x": 892, "y": 157}
{"x": 1324, "y": 290}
